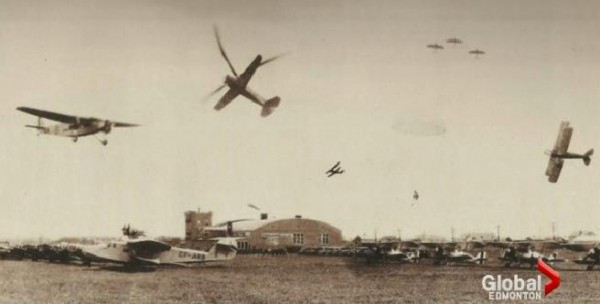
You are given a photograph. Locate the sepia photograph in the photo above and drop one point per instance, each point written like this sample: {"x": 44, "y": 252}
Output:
{"x": 278, "y": 151}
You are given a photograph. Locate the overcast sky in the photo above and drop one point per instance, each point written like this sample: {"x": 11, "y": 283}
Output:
{"x": 358, "y": 86}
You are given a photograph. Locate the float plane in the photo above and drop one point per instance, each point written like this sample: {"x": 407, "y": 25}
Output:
{"x": 143, "y": 251}
{"x": 72, "y": 126}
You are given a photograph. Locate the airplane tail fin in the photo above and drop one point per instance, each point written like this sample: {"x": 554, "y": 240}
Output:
{"x": 587, "y": 157}
{"x": 270, "y": 106}
{"x": 225, "y": 248}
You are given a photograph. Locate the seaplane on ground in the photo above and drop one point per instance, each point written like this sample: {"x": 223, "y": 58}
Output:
{"x": 336, "y": 169}
{"x": 142, "y": 251}
{"x": 559, "y": 153}
{"x": 72, "y": 126}
{"x": 238, "y": 84}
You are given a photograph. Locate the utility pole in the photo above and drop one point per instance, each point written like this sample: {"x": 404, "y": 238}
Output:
{"x": 553, "y": 230}
{"x": 452, "y": 233}
{"x": 498, "y": 233}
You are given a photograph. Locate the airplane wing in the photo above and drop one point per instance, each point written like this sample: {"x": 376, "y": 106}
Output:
{"x": 148, "y": 246}
{"x": 226, "y": 99}
{"x": 564, "y": 138}
{"x": 123, "y": 124}
{"x": 56, "y": 116}
{"x": 553, "y": 169}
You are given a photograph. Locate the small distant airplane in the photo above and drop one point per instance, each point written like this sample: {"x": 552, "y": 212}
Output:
{"x": 416, "y": 195}
{"x": 435, "y": 47}
{"x": 143, "y": 251}
{"x": 454, "y": 41}
{"x": 72, "y": 126}
{"x": 477, "y": 52}
{"x": 335, "y": 170}
{"x": 238, "y": 84}
{"x": 559, "y": 153}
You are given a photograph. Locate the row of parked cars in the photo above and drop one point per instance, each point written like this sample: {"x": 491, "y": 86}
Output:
{"x": 49, "y": 252}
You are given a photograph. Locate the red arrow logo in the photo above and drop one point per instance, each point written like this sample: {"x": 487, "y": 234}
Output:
{"x": 551, "y": 274}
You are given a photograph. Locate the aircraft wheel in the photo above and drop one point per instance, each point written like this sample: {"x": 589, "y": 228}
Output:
{"x": 75, "y": 139}
{"x": 105, "y": 142}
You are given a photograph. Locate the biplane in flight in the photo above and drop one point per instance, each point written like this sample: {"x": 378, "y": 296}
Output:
{"x": 477, "y": 52}
{"x": 560, "y": 152}
{"x": 73, "y": 126}
{"x": 336, "y": 169}
{"x": 238, "y": 84}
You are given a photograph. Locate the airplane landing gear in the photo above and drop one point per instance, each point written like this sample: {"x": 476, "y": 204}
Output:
{"x": 75, "y": 139}
{"x": 104, "y": 142}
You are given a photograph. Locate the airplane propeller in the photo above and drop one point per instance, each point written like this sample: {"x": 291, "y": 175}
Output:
{"x": 223, "y": 52}
{"x": 272, "y": 59}
{"x": 215, "y": 91}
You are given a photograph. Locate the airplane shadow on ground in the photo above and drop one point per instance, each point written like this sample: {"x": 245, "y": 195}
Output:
{"x": 120, "y": 268}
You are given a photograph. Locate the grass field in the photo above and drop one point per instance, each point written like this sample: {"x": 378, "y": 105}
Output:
{"x": 265, "y": 279}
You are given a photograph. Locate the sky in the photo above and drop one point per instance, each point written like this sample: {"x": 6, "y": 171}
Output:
{"x": 358, "y": 85}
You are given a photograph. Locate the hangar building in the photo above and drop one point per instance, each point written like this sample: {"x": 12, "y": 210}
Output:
{"x": 290, "y": 233}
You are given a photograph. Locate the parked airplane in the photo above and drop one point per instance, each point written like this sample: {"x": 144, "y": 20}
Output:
{"x": 477, "y": 52}
{"x": 135, "y": 249}
{"x": 72, "y": 126}
{"x": 523, "y": 252}
{"x": 238, "y": 84}
{"x": 334, "y": 170}
{"x": 451, "y": 254}
{"x": 585, "y": 242}
{"x": 559, "y": 153}
{"x": 144, "y": 251}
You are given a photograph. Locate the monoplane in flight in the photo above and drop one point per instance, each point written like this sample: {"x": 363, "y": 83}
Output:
{"x": 477, "y": 52}
{"x": 435, "y": 47}
{"x": 238, "y": 84}
{"x": 454, "y": 41}
{"x": 334, "y": 170}
{"x": 559, "y": 153}
{"x": 73, "y": 126}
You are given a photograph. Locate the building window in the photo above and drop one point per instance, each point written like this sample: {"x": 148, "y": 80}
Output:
{"x": 242, "y": 245}
{"x": 298, "y": 238}
{"x": 323, "y": 239}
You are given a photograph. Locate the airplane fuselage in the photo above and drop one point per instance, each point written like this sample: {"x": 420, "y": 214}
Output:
{"x": 120, "y": 252}
{"x": 69, "y": 130}
{"x": 239, "y": 84}
{"x": 567, "y": 155}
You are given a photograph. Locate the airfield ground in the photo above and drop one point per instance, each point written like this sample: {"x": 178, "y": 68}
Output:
{"x": 266, "y": 279}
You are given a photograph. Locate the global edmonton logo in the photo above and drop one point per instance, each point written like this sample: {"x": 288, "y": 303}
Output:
{"x": 517, "y": 288}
